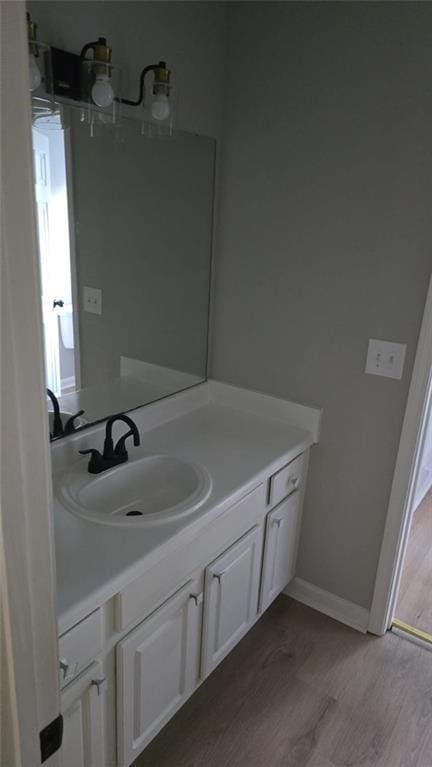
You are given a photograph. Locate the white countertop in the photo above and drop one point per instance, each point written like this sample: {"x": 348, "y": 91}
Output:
{"x": 239, "y": 449}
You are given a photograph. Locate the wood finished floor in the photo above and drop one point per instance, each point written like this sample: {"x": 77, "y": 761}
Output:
{"x": 301, "y": 690}
{"x": 415, "y": 596}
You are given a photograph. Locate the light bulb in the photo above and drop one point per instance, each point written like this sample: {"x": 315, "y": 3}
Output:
{"x": 34, "y": 73}
{"x": 102, "y": 91}
{"x": 160, "y": 107}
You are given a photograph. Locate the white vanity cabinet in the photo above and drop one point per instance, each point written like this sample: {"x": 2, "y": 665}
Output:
{"x": 157, "y": 669}
{"x": 166, "y": 630}
{"x": 231, "y": 597}
{"x": 82, "y": 705}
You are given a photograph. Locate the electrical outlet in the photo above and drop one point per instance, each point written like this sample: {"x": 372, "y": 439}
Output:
{"x": 385, "y": 358}
{"x": 92, "y": 298}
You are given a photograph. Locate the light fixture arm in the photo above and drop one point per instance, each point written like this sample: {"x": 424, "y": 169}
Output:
{"x": 86, "y": 48}
{"x": 146, "y": 70}
{"x": 101, "y": 51}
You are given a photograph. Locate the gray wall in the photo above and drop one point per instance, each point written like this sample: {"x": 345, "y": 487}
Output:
{"x": 325, "y": 241}
{"x": 190, "y": 36}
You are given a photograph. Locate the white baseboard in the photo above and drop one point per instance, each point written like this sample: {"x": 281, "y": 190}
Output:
{"x": 325, "y": 602}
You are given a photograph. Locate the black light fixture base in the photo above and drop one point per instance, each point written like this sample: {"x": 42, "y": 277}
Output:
{"x": 66, "y": 68}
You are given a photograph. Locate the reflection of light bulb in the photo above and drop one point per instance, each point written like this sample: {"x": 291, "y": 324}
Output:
{"x": 102, "y": 91}
{"x": 34, "y": 73}
{"x": 160, "y": 107}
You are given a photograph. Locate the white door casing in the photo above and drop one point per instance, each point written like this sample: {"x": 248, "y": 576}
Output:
{"x": 26, "y": 531}
{"x": 399, "y": 514}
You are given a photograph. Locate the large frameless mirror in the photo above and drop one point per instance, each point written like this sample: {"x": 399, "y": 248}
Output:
{"x": 125, "y": 230}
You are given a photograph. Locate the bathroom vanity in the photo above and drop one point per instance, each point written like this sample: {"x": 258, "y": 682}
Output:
{"x": 164, "y": 561}
{"x": 146, "y": 608}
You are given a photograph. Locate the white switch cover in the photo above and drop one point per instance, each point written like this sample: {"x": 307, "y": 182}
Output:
{"x": 385, "y": 358}
{"x": 92, "y": 300}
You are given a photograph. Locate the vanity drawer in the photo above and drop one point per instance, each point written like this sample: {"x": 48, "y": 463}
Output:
{"x": 286, "y": 480}
{"x": 79, "y": 646}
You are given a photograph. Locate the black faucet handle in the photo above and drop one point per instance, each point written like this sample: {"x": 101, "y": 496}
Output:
{"x": 108, "y": 448}
{"x": 69, "y": 426}
{"x": 96, "y": 460}
{"x": 120, "y": 448}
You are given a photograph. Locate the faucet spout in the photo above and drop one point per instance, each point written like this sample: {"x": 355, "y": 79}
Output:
{"x": 112, "y": 456}
{"x": 57, "y": 423}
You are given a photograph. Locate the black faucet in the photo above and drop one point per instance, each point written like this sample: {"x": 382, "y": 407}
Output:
{"x": 58, "y": 429}
{"x": 57, "y": 422}
{"x": 111, "y": 455}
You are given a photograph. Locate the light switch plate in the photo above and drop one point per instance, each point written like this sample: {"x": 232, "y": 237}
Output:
{"x": 385, "y": 358}
{"x": 92, "y": 298}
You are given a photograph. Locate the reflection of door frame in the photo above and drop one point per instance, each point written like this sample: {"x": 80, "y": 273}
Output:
{"x": 42, "y": 173}
{"x": 400, "y": 510}
{"x": 72, "y": 244}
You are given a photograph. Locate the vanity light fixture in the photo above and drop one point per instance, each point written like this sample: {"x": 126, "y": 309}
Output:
{"x": 100, "y": 83}
{"x": 102, "y": 91}
{"x": 95, "y": 81}
{"x": 40, "y": 70}
{"x": 158, "y": 101}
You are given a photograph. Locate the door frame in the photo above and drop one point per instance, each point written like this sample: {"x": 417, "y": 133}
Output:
{"x": 72, "y": 241}
{"x": 400, "y": 509}
{"x": 29, "y": 647}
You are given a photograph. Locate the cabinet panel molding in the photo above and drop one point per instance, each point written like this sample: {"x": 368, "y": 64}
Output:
{"x": 280, "y": 548}
{"x": 230, "y": 597}
{"x": 157, "y": 668}
{"x": 82, "y": 703}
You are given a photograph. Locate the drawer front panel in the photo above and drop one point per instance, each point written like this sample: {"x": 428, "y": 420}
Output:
{"x": 287, "y": 480}
{"x": 79, "y": 646}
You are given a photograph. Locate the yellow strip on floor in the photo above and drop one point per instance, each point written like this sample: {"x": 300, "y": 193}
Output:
{"x": 417, "y": 633}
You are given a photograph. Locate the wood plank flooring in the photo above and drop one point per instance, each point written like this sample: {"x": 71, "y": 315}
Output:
{"x": 302, "y": 690}
{"x": 415, "y": 596}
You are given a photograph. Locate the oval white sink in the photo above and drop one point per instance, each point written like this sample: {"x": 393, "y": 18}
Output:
{"x": 152, "y": 489}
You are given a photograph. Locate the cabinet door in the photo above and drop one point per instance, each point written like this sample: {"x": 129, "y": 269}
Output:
{"x": 280, "y": 548}
{"x": 157, "y": 669}
{"x": 82, "y": 704}
{"x": 230, "y": 597}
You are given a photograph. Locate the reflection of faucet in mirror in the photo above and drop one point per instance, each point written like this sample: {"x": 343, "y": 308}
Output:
{"x": 57, "y": 422}
{"x": 112, "y": 456}
{"x": 58, "y": 430}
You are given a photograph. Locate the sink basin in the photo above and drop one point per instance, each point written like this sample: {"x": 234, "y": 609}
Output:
{"x": 147, "y": 490}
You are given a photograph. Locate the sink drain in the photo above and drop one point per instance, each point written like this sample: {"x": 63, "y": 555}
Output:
{"x": 134, "y": 513}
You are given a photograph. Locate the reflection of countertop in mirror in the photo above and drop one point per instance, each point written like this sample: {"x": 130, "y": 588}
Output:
{"x": 116, "y": 396}
{"x": 238, "y": 436}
